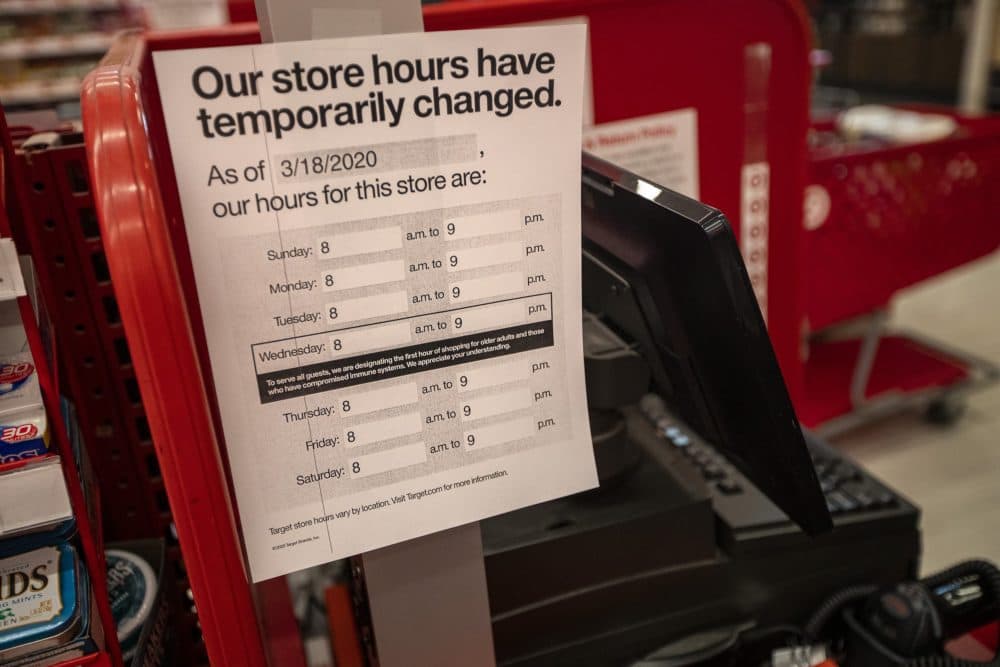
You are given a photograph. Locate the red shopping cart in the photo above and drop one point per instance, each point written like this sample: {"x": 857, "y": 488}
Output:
{"x": 880, "y": 219}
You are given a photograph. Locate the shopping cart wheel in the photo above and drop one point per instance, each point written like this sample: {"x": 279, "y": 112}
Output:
{"x": 946, "y": 410}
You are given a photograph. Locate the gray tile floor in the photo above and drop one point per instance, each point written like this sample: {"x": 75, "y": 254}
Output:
{"x": 952, "y": 473}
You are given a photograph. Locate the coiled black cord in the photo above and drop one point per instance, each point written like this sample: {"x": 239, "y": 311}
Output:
{"x": 818, "y": 621}
{"x": 989, "y": 578}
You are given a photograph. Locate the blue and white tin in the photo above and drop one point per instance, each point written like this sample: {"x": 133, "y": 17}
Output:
{"x": 29, "y": 541}
{"x": 40, "y": 601}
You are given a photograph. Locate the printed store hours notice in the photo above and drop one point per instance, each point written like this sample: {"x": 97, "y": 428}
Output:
{"x": 391, "y": 297}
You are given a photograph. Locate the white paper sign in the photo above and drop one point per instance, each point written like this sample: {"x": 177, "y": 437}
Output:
{"x": 662, "y": 148}
{"x": 385, "y": 233}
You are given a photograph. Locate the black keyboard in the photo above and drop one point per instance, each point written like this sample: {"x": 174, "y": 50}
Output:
{"x": 748, "y": 521}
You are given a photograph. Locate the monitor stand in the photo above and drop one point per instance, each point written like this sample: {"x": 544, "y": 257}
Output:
{"x": 428, "y": 602}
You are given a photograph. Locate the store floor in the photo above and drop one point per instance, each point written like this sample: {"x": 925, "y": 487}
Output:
{"x": 952, "y": 473}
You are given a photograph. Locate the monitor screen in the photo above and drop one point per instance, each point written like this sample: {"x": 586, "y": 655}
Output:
{"x": 666, "y": 272}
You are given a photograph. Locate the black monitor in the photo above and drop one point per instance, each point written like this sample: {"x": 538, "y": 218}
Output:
{"x": 666, "y": 272}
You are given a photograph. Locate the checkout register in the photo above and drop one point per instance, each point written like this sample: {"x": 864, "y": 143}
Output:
{"x": 715, "y": 510}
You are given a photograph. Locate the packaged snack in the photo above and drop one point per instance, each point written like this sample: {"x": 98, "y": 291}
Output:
{"x": 23, "y": 435}
{"x": 23, "y": 426}
{"x": 36, "y": 507}
{"x": 17, "y": 375}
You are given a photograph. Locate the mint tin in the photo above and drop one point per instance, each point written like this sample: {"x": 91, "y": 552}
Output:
{"x": 40, "y": 600}
{"x": 132, "y": 592}
{"x": 63, "y": 531}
